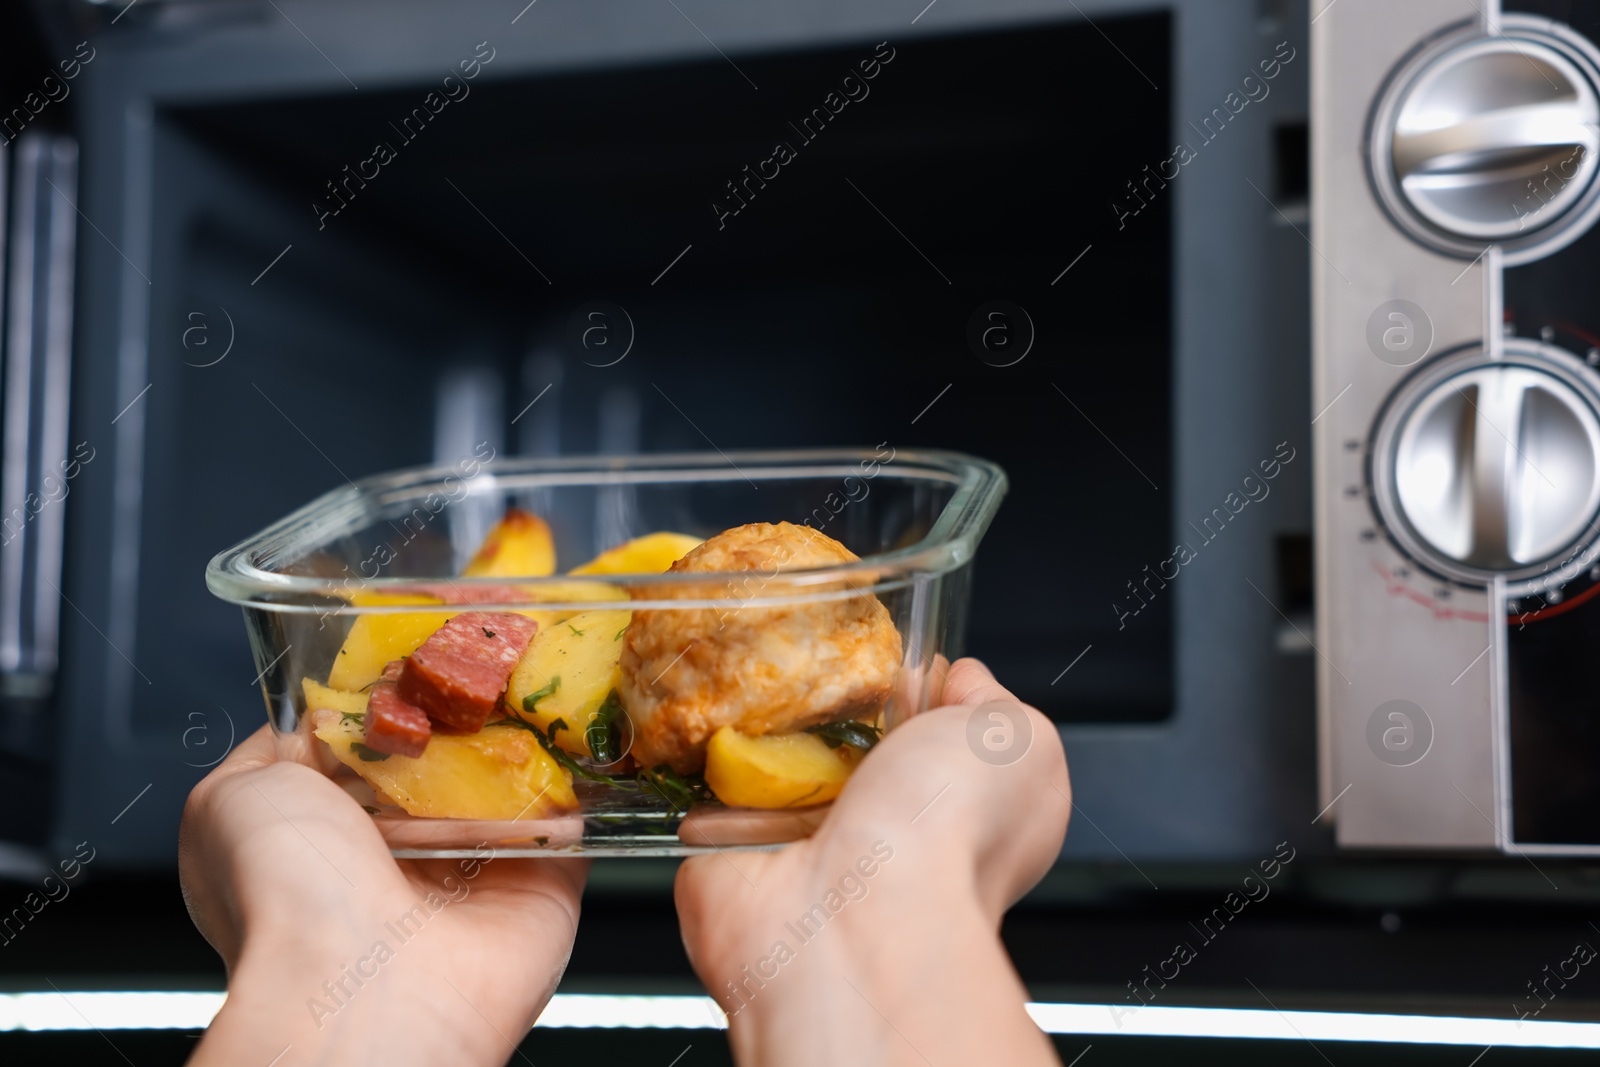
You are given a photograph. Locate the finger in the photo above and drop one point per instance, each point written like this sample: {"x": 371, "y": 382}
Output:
{"x": 940, "y": 668}
{"x": 689, "y": 893}
{"x": 258, "y": 750}
{"x": 498, "y": 879}
{"x": 533, "y": 901}
{"x": 210, "y": 908}
{"x": 969, "y": 683}
{"x": 933, "y": 788}
{"x": 712, "y": 897}
{"x": 1036, "y": 781}
{"x": 254, "y": 752}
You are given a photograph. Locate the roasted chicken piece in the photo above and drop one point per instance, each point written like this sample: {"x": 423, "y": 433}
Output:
{"x": 761, "y": 670}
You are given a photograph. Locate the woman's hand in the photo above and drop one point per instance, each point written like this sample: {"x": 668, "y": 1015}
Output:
{"x": 876, "y": 939}
{"x": 338, "y": 953}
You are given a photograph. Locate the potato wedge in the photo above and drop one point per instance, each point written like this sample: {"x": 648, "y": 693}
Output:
{"x": 578, "y": 591}
{"x": 776, "y": 770}
{"x": 578, "y": 661}
{"x": 323, "y": 698}
{"x": 457, "y": 594}
{"x": 650, "y": 554}
{"x": 375, "y": 640}
{"x": 500, "y": 772}
{"x": 519, "y": 546}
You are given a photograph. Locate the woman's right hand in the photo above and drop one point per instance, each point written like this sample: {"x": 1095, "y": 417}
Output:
{"x": 876, "y": 940}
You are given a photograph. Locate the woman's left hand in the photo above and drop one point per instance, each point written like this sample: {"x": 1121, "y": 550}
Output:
{"x": 337, "y": 952}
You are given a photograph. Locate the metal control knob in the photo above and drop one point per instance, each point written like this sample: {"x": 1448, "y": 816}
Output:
{"x": 1493, "y": 139}
{"x": 1492, "y": 467}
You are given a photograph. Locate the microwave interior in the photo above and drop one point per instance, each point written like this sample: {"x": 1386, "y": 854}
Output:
{"x": 423, "y": 311}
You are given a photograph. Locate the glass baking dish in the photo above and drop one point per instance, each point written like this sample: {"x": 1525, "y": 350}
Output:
{"x": 381, "y": 546}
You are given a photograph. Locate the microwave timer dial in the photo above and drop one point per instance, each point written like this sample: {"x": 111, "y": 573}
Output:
{"x": 1485, "y": 468}
{"x": 1492, "y": 138}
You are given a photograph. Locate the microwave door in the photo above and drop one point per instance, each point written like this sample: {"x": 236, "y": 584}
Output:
{"x": 37, "y": 466}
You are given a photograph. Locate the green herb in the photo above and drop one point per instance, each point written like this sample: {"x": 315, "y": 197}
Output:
{"x": 532, "y": 699}
{"x": 561, "y": 755}
{"x": 849, "y": 732}
{"x": 604, "y": 733}
{"x": 620, "y": 633}
{"x": 357, "y": 717}
{"x": 679, "y": 791}
{"x": 633, "y": 824}
{"x": 575, "y": 631}
{"x": 367, "y": 755}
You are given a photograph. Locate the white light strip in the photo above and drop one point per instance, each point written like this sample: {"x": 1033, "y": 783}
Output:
{"x": 1311, "y": 1026}
{"x": 643, "y": 1012}
{"x": 194, "y": 1011}
{"x": 108, "y": 1011}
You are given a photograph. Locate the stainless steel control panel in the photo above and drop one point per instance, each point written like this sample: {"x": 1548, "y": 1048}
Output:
{"x": 1457, "y": 463}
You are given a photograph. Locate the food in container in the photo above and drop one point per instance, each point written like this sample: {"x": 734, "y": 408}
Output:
{"x": 735, "y": 635}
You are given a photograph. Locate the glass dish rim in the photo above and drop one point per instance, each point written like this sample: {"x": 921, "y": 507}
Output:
{"x": 233, "y": 576}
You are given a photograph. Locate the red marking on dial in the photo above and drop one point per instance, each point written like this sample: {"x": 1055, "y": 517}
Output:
{"x": 1397, "y": 587}
{"x": 1550, "y": 611}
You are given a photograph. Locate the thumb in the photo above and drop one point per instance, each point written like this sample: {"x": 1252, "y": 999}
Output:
{"x": 717, "y": 903}
{"x": 970, "y": 683}
{"x": 1032, "y": 767}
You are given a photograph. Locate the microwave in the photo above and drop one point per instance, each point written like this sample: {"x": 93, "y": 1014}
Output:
{"x": 318, "y": 241}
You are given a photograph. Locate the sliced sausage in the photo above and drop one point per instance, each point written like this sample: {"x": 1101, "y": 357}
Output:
{"x": 458, "y": 674}
{"x": 393, "y": 725}
{"x": 452, "y": 593}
